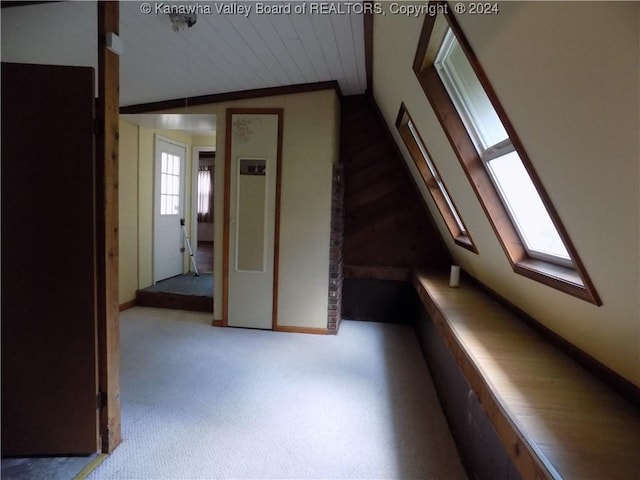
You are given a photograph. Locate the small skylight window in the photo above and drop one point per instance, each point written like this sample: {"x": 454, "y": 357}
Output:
{"x": 432, "y": 179}
{"x": 526, "y": 207}
{"x": 497, "y": 152}
{"x": 474, "y": 105}
{"x": 436, "y": 176}
{"x": 494, "y": 160}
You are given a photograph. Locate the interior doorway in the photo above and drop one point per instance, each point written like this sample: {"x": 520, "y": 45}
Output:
{"x": 202, "y": 230}
{"x": 185, "y": 290}
{"x": 190, "y": 284}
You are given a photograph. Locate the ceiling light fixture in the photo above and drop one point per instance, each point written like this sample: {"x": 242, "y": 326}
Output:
{"x": 181, "y": 20}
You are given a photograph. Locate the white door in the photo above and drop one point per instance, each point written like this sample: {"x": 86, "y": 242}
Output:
{"x": 168, "y": 209}
{"x": 253, "y": 175}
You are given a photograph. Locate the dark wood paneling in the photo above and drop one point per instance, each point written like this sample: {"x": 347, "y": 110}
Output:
{"x": 107, "y": 161}
{"x": 171, "y": 300}
{"x": 386, "y": 220}
{"x": 17, "y": 3}
{"x": 374, "y": 300}
{"x": 482, "y": 454}
{"x": 49, "y": 367}
{"x": 380, "y": 273}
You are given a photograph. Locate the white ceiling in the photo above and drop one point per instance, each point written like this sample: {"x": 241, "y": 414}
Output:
{"x": 220, "y": 53}
{"x": 191, "y": 123}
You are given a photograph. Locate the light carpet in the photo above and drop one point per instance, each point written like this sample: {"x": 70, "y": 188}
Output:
{"x": 200, "y": 402}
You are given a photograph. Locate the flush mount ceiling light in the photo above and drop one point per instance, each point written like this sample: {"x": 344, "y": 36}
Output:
{"x": 181, "y": 20}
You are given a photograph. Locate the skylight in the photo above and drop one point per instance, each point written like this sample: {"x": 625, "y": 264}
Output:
{"x": 511, "y": 179}
{"x": 432, "y": 179}
{"x": 436, "y": 177}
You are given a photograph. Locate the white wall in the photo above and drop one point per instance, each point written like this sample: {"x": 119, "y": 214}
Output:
{"x": 568, "y": 79}
{"x": 128, "y": 212}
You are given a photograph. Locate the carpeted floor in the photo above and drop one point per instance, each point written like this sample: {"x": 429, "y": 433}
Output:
{"x": 188, "y": 284}
{"x": 200, "y": 402}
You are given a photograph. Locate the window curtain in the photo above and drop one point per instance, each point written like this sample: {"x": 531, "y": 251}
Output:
{"x": 205, "y": 195}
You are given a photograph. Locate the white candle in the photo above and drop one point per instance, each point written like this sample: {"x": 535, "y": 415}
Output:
{"x": 454, "y": 278}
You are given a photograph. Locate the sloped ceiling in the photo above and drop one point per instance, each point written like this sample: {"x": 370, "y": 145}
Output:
{"x": 220, "y": 53}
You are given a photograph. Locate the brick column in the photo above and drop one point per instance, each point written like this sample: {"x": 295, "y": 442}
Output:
{"x": 336, "y": 249}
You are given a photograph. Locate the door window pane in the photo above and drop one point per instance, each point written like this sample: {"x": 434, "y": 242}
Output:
{"x": 169, "y": 184}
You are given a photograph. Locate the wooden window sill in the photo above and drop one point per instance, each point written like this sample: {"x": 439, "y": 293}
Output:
{"x": 561, "y": 278}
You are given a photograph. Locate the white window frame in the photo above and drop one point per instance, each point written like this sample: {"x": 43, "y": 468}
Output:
{"x": 170, "y": 184}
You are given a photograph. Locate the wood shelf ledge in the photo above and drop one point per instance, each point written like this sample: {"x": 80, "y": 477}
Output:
{"x": 555, "y": 419}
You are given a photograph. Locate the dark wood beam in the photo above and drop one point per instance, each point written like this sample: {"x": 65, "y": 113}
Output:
{"x": 6, "y": 4}
{"x": 107, "y": 145}
{"x": 231, "y": 96}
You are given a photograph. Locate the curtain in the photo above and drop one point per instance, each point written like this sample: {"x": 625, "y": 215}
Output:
{"x": 205, "y": 195}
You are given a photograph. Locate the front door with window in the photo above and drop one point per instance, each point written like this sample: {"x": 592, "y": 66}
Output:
{"x": 168, "y": 209}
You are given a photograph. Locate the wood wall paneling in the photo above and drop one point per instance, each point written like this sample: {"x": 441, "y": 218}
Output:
{"x": 107, "y": 152}
{"x": 49, "y": 365}
{"x": 388, "y": 229}
{"x": 386, "y": 220}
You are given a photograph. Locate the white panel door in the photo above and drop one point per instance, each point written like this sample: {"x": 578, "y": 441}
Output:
{"x": 253, "y": 174}
{"x": 168, "y": 209}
